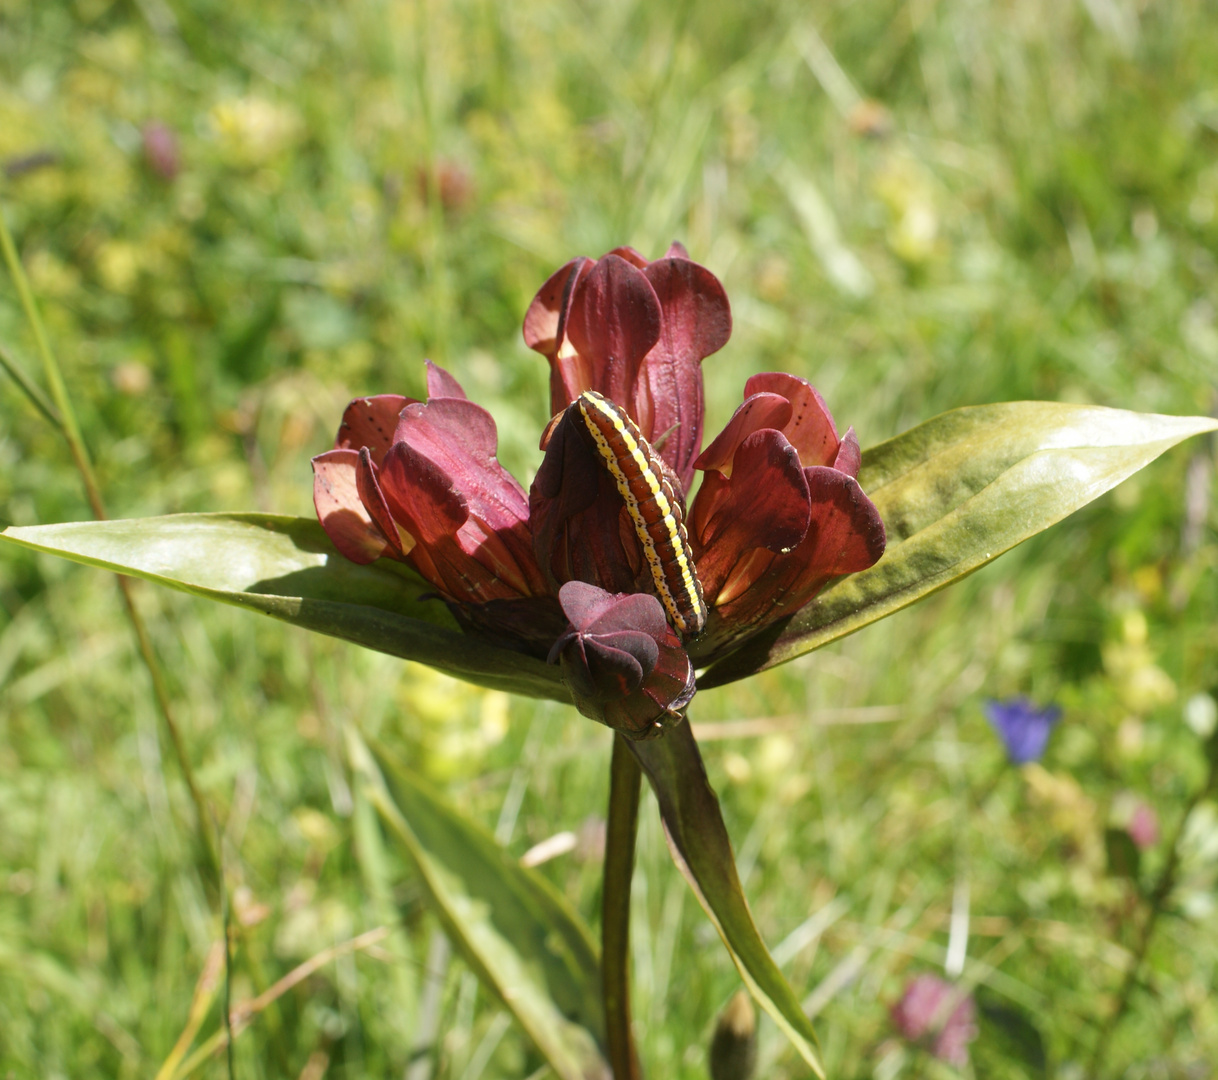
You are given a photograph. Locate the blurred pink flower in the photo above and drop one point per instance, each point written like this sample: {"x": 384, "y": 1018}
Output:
{"x": 922, "y": 1017}
{"x": 161, "y": 149}
{"x": 1143, "y": 827}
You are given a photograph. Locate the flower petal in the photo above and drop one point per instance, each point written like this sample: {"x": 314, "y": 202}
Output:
{"x": 545, "y": 329}
{"x": 765, "y": 504}
{"x": 661, "y": 700}
{"x": 440, "y": 384}
{"x": 421, "y": 494}
{"x": 339, "y": 508}
{"x": 541, "y": 321}
{"x": 759, "y": 411}
{"x": 1023, "y": 727}
{"x": 635, "y": 258}
{"x": 456, "y": 550}
{"x": 811, "y": 429}
{"x": 845, "y": 535}
{"x": 922, "y": 1016}
{"x": 461, "y": 438}
{"x": 617, "y": 671}
{"x": 370, "y": 422}
{"x": 596, "y": 611}
{"x": 460, "y": 518}
{"x": 613, "y": 322}
{"x": 585, "y": 605}
{"x": 697, "y": 321}
{"x": 849, "y": 455}
{"x": 621, "y": 660}
{"x": 370, "y": 494}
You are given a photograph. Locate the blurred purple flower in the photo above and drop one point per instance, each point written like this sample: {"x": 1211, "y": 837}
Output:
{"x": 921, "y": 1016}
{"x": 1023, "y": 728}
{"x": 1143, "y": 827}
{"x": 161, "y": 149}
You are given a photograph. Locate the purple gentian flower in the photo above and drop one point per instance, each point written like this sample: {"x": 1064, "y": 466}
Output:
{"x": 1023, "y": 727}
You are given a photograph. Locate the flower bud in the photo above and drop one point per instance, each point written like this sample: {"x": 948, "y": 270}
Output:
{"x": 733, "y": 1051}
{"x": 621, "y": 660}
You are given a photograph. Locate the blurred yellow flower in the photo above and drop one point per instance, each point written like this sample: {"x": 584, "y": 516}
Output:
{"x": 252, "y": 130}
{"x": 906, "y": 189}
{"x": 1141, "y": 684}
{"x": 118, "y": 265}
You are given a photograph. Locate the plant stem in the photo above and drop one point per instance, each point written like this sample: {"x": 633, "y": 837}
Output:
{"x": 32, "y": 390}
{"x": 625, "y": 782}
{"x": 1156, "y": 903}
{"x": 64, "y": 418}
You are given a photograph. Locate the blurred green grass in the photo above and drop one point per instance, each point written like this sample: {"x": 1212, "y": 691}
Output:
{"x": 1031, "y": 211}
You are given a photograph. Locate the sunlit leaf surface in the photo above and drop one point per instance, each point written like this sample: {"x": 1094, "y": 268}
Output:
{"x": 287, "y": 567}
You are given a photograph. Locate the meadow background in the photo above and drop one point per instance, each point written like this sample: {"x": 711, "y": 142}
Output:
{"x": 237, "y": 217}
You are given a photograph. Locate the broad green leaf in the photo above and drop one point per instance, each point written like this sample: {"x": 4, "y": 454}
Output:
{"x": 958, "y": 491}
{"x": 1009, "y": 1044}
{"x": 287, "y": 567}
{"x": 513, "y": 928}
{"x": 698, "y": 840}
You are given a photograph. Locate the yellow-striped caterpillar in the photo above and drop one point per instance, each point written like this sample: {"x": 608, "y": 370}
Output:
{"x": 653, "y": 508}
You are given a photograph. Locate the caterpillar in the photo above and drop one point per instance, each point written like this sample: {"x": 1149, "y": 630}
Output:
{"x": 653, "y": 508}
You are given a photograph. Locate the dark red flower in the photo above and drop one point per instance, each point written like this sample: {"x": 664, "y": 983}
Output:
{"x": 636, "y": 332}
{"x": 780, "y": 512}
{"x": 419, "y": 482}
{"x": 603, "y": 530}
{"x": 621, "y": 660}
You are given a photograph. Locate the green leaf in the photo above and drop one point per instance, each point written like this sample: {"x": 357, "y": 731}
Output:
{"x": 514, "y": 929}
{"x": 1124, "y": 858}
{"x": 1010, "y": 1045}
{"x": 958, "y": 491}
{"x": 286, "y": 567}
{"x": 698, "y": 840}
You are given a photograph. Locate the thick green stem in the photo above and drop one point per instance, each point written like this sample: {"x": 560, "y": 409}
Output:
{"x": 64, "y": 418}
{"x": 625, "y": 781}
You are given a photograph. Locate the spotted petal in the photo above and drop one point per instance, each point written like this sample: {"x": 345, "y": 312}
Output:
{"x": 811, "y": 429}
{"x": 341, "y": 511}
{"x": 370, "y": 422}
